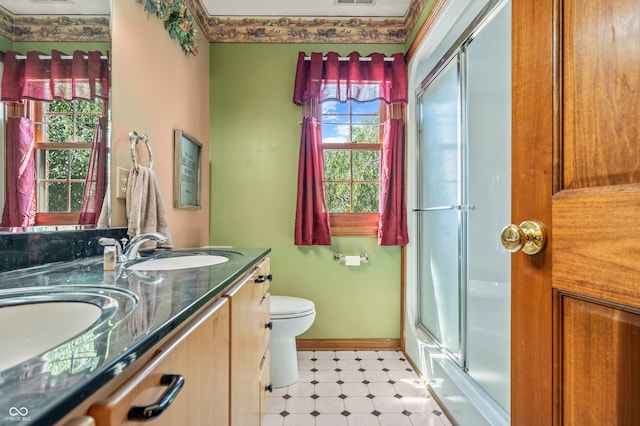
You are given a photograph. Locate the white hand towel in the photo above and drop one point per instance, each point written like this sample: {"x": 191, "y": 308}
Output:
{"x": 145, "y": 209}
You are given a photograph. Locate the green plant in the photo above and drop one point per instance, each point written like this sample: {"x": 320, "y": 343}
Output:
{"x": 177, "y": 21}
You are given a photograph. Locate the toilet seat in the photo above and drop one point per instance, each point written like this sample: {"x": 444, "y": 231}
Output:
{"x": 284, "y": 307}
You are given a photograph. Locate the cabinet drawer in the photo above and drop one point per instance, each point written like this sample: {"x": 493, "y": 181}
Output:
{"x": 265, "y": 315}
{"x": 265, "y": 384}
{"x": 262, "y": 277}
{"x": 199, "y": 356}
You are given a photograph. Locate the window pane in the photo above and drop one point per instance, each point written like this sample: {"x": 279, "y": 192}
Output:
{"x": 77, "y": 192}
{"x": 89, "y": 106}
{"x": 80, "y": 163}
{"x": 60, "y": 129}
{"x": 366, "y": 133}
{"x": 53, "y": 164}
{"x": 366, "y": 198}
{"x": 52, "y": 197}
{"x": 338, "y": 119}
{"x": 366, "y": 165}
{"x": 366, "y": 119}
{"x": 338, "y": 197}
{"x": 336, "y": 165}
{"x": 334, "y": 107}
{"x": 335, "y": 133}
{"x": 85, "y": 128}
{"x": 372, "y": 107}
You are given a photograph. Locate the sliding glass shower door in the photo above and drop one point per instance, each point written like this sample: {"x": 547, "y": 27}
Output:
{"x": 439, "y": 215}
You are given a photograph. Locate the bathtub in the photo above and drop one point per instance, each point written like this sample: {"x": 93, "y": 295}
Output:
{"x": 478, "y": 393}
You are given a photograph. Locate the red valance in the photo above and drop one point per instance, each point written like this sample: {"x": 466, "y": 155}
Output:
{"x": 360, "y": 80}
{"x": 84, "y": 76}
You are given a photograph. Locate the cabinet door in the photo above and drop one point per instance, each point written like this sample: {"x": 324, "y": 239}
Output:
{"x": 264, "y": 387}
{"x": 249, "y": 339}
{"x": 200, "y": 356}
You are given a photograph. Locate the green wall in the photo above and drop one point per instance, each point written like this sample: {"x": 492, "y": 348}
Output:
{"x": 255, "y": 138}
{"x": 5, "y": 44}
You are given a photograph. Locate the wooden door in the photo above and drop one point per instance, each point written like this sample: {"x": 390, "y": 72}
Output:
{"x": 576, "y": 168}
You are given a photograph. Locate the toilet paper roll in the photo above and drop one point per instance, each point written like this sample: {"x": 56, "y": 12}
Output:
{"x": 352, "y": 260}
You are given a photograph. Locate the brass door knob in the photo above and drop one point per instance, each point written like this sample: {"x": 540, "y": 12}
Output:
{"x": 530, "y": 237}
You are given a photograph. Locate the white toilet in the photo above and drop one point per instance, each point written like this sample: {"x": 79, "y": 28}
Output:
{"x": 290, "y": 317}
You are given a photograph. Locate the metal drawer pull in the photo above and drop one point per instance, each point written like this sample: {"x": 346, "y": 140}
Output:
{"x": 263, "y": 278}
{"x": 269, "y": 325}
{"x": 436, "y": 209}
{"x": 174, "y": 383}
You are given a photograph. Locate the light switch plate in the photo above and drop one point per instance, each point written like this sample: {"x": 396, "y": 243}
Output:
{"x": 122, "y": 177}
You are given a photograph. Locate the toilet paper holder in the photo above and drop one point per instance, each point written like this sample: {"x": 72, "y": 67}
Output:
{"x": 339, "y": 257}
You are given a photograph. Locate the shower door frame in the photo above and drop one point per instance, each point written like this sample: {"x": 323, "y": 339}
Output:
{"x": 458, "y": 208}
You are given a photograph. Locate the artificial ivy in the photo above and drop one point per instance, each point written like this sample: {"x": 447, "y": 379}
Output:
{"x": 177, "y": 21}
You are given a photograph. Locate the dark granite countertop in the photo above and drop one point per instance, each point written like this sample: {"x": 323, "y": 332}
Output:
{"x": 41, "y": 390}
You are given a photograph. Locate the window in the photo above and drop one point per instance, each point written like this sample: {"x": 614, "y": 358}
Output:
{"x": 64, "y": 134}
{"x": 352, "y": 143}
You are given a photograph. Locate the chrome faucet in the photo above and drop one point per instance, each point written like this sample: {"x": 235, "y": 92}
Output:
{"x": 131, "y": 249}
{"x": 128, "y": 250}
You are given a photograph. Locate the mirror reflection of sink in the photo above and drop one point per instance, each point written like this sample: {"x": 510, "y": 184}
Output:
{"x": 35, "y": 320}
{"x": 178, "y": 262}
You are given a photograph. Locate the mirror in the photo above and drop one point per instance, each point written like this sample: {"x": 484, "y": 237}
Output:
{"x": 66, "y": 26}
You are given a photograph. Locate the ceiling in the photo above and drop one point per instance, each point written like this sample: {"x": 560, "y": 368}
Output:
{"x": 343, "y": 8}
{"x": 56, "y": 7}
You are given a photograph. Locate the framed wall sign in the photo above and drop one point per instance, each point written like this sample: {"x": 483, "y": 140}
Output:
{"x": 186, "y": 173}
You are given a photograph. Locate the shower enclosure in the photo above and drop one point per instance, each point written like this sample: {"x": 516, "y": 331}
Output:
{"x": 462, "y": 199}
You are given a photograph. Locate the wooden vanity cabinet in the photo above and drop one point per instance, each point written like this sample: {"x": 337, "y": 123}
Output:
{"x": 197, "y": 355}
{"x": 222, "y": 354}
{"x": 248, "y": 353}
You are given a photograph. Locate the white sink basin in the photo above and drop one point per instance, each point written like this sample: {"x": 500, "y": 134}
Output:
{"x": 31, "y": 329}
{"x": 178, "y": 262}
{"x": 37, "y": 320}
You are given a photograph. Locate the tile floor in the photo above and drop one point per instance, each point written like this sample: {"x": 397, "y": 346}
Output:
{"x": 349, "y": 388}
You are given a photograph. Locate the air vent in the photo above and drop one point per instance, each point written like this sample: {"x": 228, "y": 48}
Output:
{"x": 355, "y": 2}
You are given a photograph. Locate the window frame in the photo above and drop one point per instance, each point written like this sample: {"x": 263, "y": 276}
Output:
{"x": 354, "y": 224}
{"x": 35, "y": 110}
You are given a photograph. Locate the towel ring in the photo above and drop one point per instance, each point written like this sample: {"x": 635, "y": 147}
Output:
{"x": 134, "y": 138}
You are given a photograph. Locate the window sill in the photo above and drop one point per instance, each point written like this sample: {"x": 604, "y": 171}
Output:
{"x": 50, "y": 219}
{"x": 354, "y": 224}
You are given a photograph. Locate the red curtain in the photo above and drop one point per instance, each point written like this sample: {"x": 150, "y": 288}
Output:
{"x": 332, "y": 78}
{"x": 312, "y": 216}
{"x": 85, "y": 76}
{"x": 20, "y": 200}
{"x": 95, "y": 185}
{"x": 360, "y": 80}
{"x": 392, "y": 229}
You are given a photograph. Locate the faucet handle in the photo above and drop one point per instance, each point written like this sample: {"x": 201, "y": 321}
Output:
{"x": 106, "y": 241}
